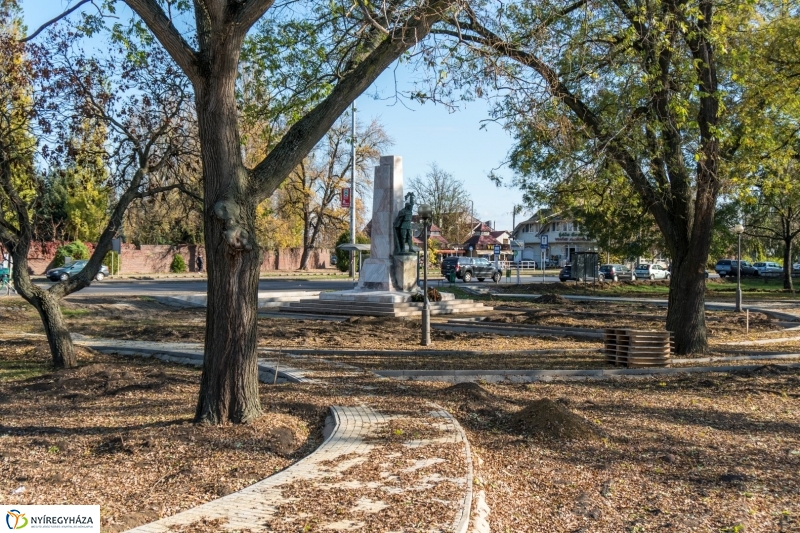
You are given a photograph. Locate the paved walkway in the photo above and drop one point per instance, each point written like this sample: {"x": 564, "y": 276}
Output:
{"x": 189, "y": 353}
{"x": 354, "y": 483}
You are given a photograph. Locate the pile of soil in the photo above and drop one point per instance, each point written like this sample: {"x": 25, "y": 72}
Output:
{"x": 551, "y": 299}
{"x": 549, "y": 419}
{"x": 469, "y": 390}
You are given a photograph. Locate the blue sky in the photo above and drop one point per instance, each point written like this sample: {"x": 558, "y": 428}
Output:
{"x": 422, "y": 134}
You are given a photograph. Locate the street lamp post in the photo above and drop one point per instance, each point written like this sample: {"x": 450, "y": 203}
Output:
{"x": 424, "y": 212}
{"x": 738, "y": 229}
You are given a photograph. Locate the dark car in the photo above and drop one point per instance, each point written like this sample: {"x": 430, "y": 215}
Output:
{"x": 727, "y": 267}
{"x": 466, "y": 268}
{"x": 615, "y": 272}
{"x": 566, "y": 274}
{"x": 67, "y": 271}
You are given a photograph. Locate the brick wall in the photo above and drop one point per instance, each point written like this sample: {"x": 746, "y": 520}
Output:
{"x": 156, "y": 258}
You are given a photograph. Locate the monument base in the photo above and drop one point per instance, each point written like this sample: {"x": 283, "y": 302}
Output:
{"x": 376, "y": 275}
{"x": 406, "y": 271}
{"x": 358, "y": 295}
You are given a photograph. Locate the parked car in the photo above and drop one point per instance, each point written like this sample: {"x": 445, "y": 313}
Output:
{"x": 727, "y": 267}
{"x": 466, "y": 268}
{"x": 768, "y": 268}
{"x": 615, "y": 272}
{"x": 566, "y": 273}
{"x": 67, "y": 271}
{"x": 650, "y": 271}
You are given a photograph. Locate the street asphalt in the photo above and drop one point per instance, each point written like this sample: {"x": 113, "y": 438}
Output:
{"x": 133, "y": 287}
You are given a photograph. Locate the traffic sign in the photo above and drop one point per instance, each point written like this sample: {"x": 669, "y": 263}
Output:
{"x": 496, "y": 249}
{"x": 544, "y": 244}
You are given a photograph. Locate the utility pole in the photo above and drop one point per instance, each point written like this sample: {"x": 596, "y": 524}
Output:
{"x": 353, "y": 189}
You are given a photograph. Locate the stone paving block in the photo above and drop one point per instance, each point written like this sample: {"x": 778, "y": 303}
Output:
{"x": 253, "y": 507}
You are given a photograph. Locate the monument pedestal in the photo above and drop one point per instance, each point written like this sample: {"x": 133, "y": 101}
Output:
{"x": 387, "y": 280}
{"x": 406, "y": 271}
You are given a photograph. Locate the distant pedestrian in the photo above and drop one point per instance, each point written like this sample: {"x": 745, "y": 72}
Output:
{"x": 199, "y": 262}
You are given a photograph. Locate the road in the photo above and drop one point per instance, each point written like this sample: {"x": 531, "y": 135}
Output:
{"x": 129, "y": 287}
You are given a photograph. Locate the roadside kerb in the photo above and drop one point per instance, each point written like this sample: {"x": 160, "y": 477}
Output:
{"x": 527, "y": 376}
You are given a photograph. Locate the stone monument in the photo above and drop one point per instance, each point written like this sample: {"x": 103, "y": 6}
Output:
{"x": 390, "y": 272}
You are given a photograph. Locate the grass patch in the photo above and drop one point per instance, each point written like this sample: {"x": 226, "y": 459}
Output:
{"x": 74, "y": 312}
{"x": 20, "y": 369}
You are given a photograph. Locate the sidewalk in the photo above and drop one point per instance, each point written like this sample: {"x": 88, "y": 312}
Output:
{"x": 364, "y": 477}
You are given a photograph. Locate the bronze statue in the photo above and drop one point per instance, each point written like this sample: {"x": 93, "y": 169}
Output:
{"x": 403, "y": 235}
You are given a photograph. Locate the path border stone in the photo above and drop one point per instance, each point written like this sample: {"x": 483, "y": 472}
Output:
{"x": 528, "y": 376}
{"x": 187, "y": 354}
{"x": 344, "y": 432}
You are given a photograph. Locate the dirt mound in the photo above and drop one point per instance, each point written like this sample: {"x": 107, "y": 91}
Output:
{"x": 550, "y": 419}
{"x": 767, "y": 370}
{"x": 551, "y": 299}
{"x": 470, "y": 390}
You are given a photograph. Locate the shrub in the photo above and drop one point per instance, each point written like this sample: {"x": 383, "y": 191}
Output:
{"x": 107, "y": 261}
{"x": 342, "y": 256}
{"x": 178, "y": 265}
{"x": 76, "y": 250}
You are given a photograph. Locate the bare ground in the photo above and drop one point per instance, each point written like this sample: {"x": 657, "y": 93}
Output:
{"x": 715, "y": 452}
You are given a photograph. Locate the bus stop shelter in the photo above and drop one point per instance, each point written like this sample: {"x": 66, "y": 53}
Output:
{"x": 360, "y": 248}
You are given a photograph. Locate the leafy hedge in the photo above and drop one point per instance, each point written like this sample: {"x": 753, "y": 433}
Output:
{"x": 178, "y": 265}
{"x": 76, "y": 250}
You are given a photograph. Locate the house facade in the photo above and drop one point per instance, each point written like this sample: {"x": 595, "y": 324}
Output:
{"x": 565, "y": 237}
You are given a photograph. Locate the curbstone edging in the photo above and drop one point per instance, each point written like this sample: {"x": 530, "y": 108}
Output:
{"x": 255, "y": 506}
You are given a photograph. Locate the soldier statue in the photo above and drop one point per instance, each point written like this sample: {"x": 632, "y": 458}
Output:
{"x": 403, "y": 236}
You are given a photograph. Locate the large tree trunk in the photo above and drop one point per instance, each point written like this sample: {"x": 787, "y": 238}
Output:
{"x": 787, "y": 260}
{"x": 47, "y": 304}
{"x": 229, "y": 384}
{"x": 686, "y": 317}
{"x": 307, "y": 241}
{"x": 58, "y": 336}
{"x": 304, "y": 257}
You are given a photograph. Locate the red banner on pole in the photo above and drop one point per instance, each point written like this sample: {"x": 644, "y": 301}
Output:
{"x": 346, "y": 197}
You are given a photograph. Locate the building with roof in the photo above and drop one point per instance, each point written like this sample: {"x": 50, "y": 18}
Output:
{"x": 564, "y": 235}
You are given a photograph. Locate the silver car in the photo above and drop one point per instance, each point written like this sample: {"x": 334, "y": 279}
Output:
{"x": 768, "y": 268}
{"x": 650, "y": 271}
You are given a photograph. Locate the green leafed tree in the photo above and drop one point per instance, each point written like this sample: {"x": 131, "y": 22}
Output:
{"x": 205, "y": 38}
{"x": 644, "y": 89}
{"x": 48, "y": 93}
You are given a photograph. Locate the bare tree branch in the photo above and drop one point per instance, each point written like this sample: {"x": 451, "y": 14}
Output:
{"x": 54, "y": 20}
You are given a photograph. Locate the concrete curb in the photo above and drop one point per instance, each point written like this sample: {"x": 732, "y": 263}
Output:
{"x": 462, "y": 521}
{"x": 254, "y": 507}
{"x": 527, "y": 376}
{"x": 266, "y": 369}
{"x": 325, "y": 351}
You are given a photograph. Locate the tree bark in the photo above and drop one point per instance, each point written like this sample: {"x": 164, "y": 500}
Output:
{"x": 229, "y": 383}
{"x": 47, "y": 305}
{"x": 686, "y": 317}
{"x": 308, "y": 243}
{"x": 787, "y": 260}
{"x": 58, "y": 336}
